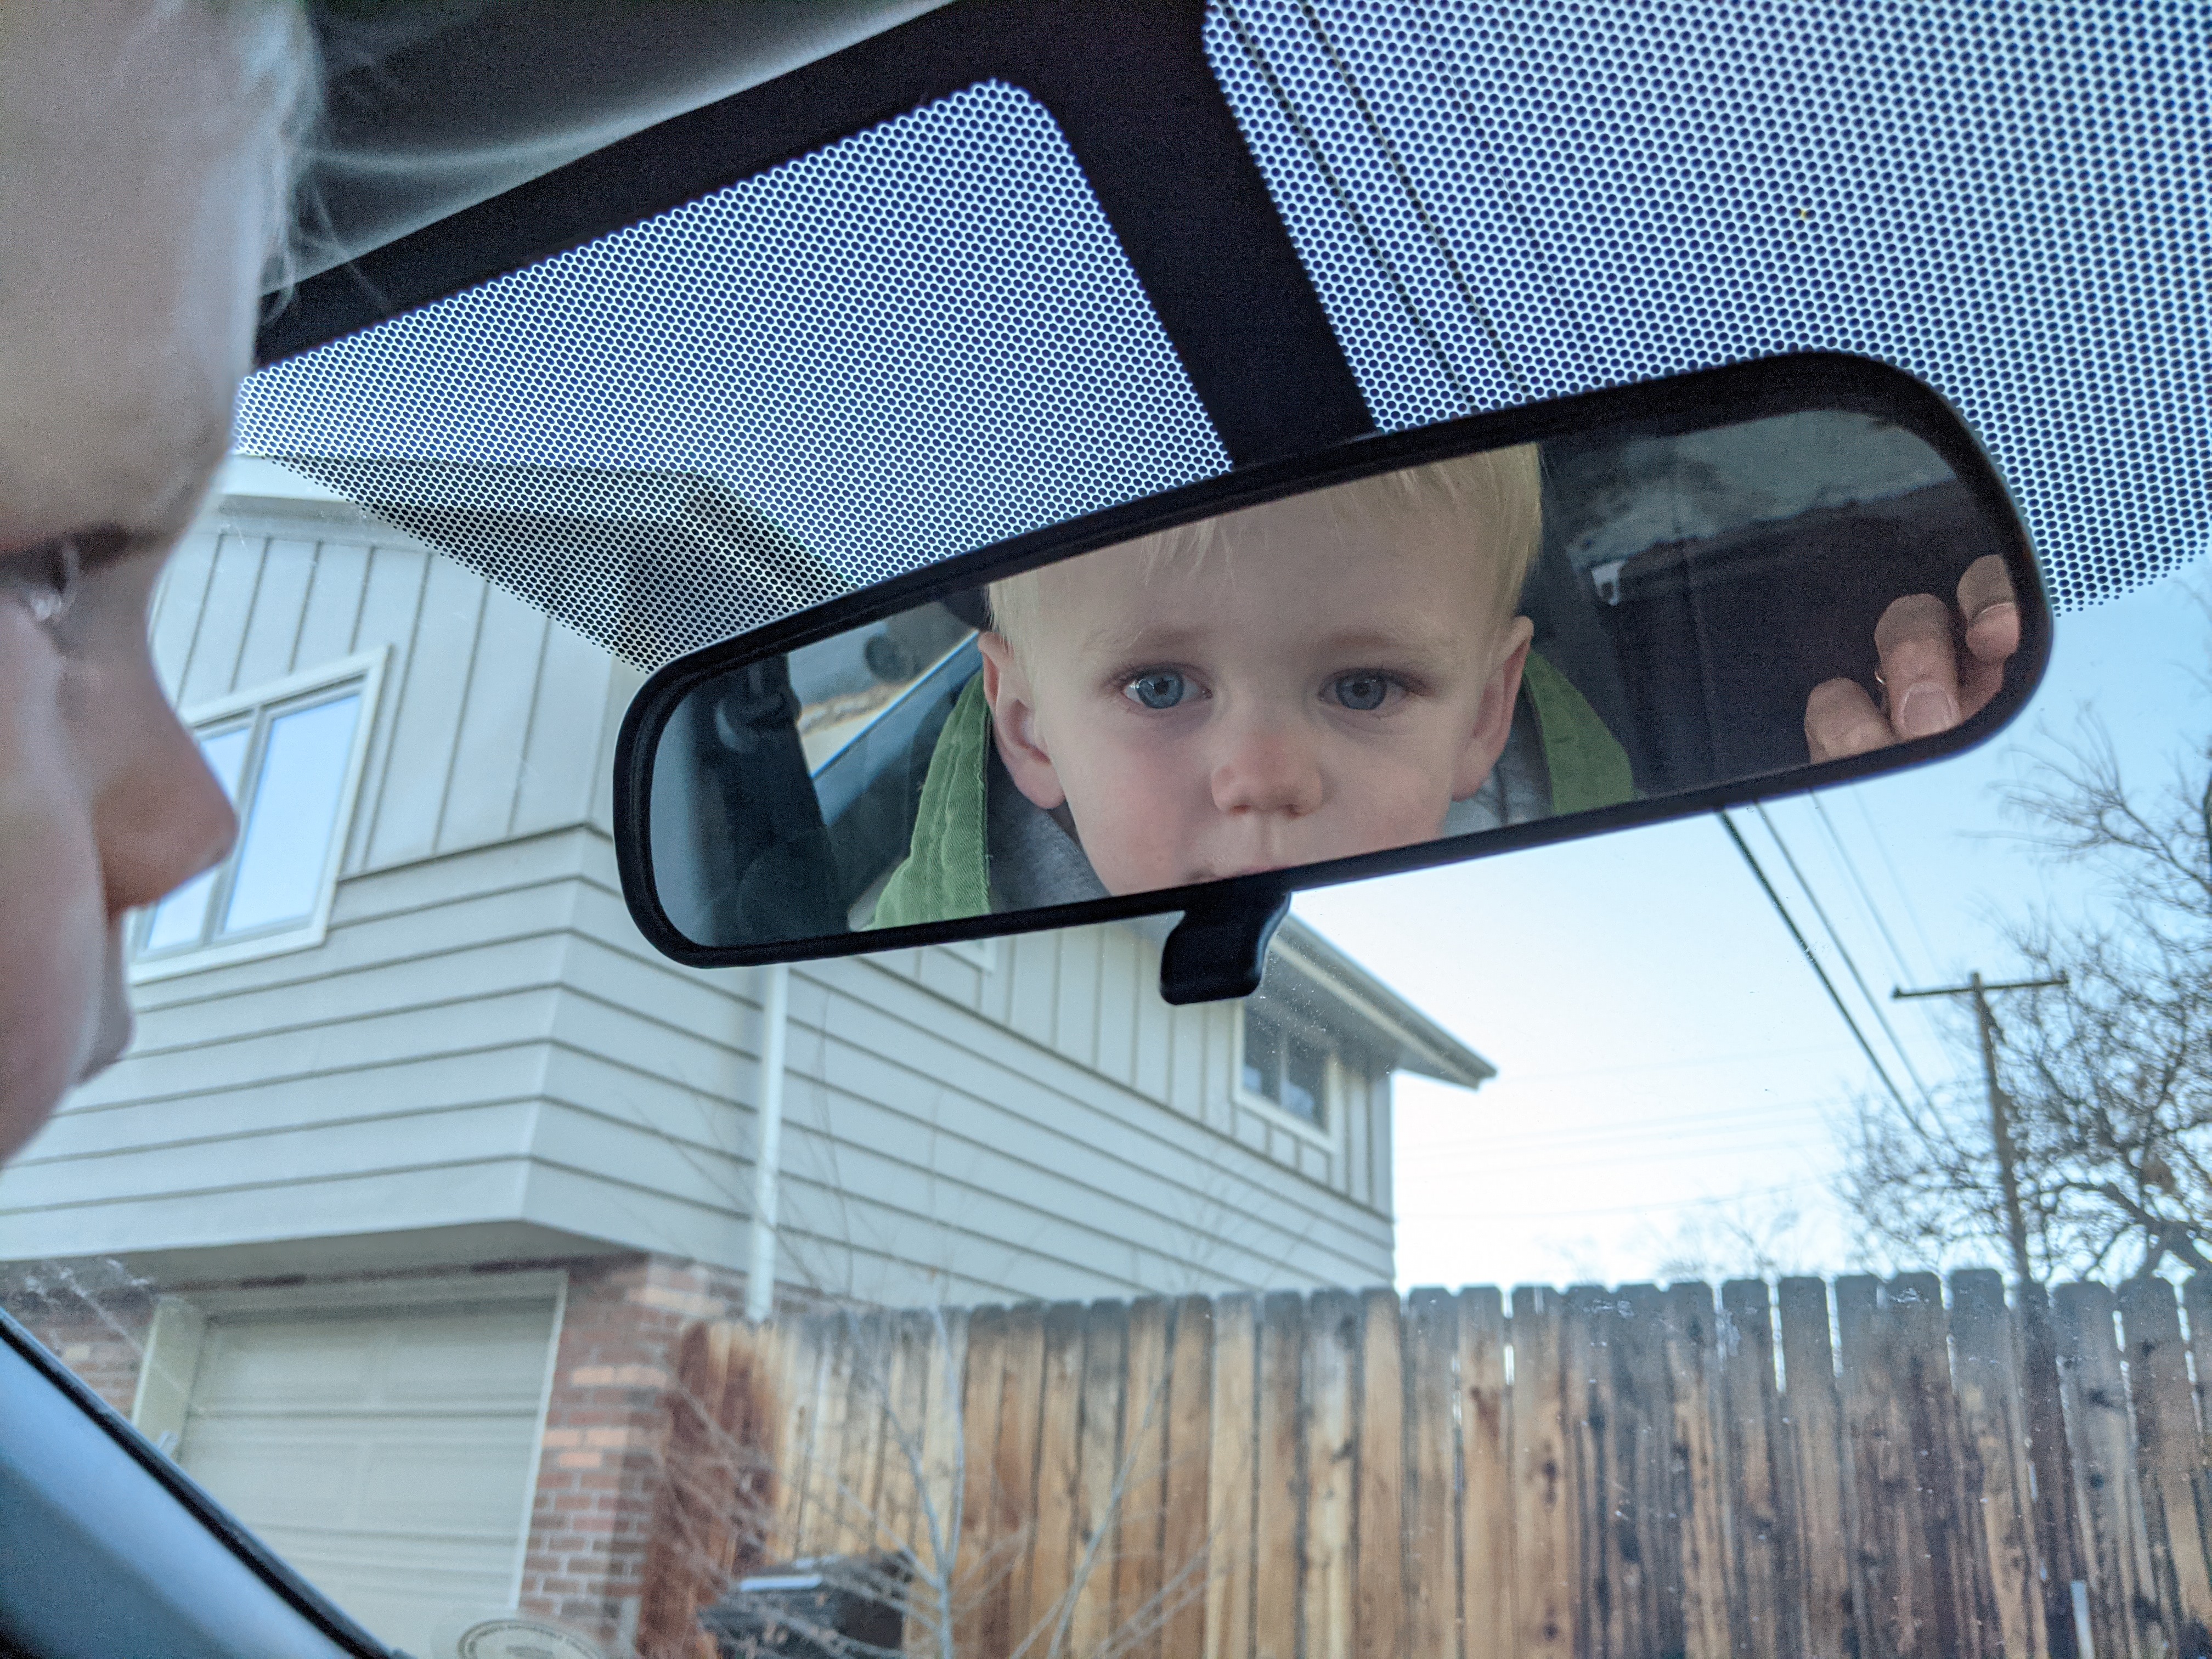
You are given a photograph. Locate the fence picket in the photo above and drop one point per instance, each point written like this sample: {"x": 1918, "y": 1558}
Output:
{"x": 1544, "y": 1577}
{"x": 1812, "y": 1414}
{"x": 2166, "y": 1454}
{"x": 803, "y": 1363}
{"x": 1014, "y": 1482}
{"x": 1699, "y": 1500}
{"x": 1431, "y": 1486}
{"x": 1489, "y": 1621}
{"x": 1279, "y": 1513}
{"x": 1586, "y": 1331}
{"x": 1647, "y": 1590}
{"x": 1054, "y": 1553}
{"x": 1760, "y": 1531}
{"x": 944, "y": 1347}
{"x": 1141, "y": 1520}
{"x": 2097, "y": 1426}
{"x": 899, "y": 1512}
{"x": 1993, "y": 1433}
{"x": 860, "y": 1451}
{"x": 1231, "y": 1471}
{"x": 974, "y": 1581}
{"x": 1098, "y": 1474}
{"x": 1960, "y": 1609}
{"x": 1379, "y": 1512}
{"x": 1332, "y": 1472}
{"x": 1186, "y": 1489}
{"x": 1881, "y": 1506}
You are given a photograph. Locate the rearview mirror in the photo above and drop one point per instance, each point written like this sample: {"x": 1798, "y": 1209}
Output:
{"x": 1511, "y": 629}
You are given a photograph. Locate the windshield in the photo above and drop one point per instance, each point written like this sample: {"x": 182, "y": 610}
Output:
{"x": 1773, "y": 1232}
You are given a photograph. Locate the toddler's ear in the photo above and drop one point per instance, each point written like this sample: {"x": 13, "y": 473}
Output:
{"x": 1013, "y": 724}
{"x": 1493, "y": 717}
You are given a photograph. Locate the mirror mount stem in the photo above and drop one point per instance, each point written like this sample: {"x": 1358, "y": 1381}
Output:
{"x": 1216, "y": 952}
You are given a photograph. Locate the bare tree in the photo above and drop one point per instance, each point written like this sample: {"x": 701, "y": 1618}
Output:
{"x": 2106, "y": 1080}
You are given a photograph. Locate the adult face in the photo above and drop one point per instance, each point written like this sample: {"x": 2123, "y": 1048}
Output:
{"x": 132, "y": 201}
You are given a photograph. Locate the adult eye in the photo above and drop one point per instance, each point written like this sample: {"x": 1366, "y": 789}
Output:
{"x": 43, "y": 578}
{"x": 1157, "y": 688}
{"x": 1364, "y": 691}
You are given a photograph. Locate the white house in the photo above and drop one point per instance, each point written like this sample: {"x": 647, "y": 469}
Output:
{"x": 421, "y": 1155}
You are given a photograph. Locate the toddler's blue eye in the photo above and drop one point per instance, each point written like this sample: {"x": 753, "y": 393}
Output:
{"x": 1363, "y": 692}
{"x": 1157, "y": 688}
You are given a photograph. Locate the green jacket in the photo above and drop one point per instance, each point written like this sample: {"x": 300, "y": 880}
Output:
{"x": 947, "y": 870}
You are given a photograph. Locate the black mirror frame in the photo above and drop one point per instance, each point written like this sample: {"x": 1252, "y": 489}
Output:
{"x": 1234, "y": 917}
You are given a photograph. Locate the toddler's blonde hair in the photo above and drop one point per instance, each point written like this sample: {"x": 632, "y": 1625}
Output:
{"x": 1498, "y": 493}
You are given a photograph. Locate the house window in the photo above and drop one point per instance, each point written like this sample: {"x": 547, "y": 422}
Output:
{"x": 289, "y": 757}
{"x": 1285, "y": 1063}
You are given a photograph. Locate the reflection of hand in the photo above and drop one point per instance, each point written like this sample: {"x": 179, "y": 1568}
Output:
{"x": 1937, "y": 668}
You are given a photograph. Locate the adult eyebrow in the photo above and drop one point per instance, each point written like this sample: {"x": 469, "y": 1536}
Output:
{"x": 97, "y": 545}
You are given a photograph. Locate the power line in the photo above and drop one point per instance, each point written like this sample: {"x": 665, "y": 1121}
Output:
{"x": 1866, "y": 896}
{"x": 1811, "y": 961}
{"x": 1616, "y": 1209}
{"x": 1732, "y": 1121}
{"x": 1882, "y": 849}
{"x": 1851, "y": 962}
{"x": 1738, "y": 1057}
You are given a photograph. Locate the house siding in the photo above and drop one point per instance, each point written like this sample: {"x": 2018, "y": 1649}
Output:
{"x": 484, "y": 1056}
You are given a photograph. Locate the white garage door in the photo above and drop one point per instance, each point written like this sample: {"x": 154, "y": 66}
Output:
{"x": 387, "y": 1455}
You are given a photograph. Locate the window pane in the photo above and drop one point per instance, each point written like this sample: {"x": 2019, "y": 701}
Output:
{"x": 295, "y": 808}
{"x": 181, "y": 918}
{"x": 1263, "y": 1043}
{"x": 1305, "y": 1065}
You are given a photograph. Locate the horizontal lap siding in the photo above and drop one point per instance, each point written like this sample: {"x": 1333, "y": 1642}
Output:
{"x": 495, "y": 1006}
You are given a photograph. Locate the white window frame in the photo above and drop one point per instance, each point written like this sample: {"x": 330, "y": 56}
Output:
{"x": 1329, "y": 1133}
{"x": 367, "y": 670}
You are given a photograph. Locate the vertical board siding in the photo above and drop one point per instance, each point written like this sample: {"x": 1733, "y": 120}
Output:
{"x": 210, "y": 667}
{"x": 492, "y": 718}
{"x": 332, "y": 610}
{"x": 1621, "y": 1473}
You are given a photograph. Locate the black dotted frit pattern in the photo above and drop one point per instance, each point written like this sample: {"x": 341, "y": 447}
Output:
{"x": 1502, "y": 200}
{"x": 912, "y": 342}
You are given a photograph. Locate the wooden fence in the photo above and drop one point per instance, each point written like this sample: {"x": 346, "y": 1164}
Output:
{"x": 1598, "y": 1473}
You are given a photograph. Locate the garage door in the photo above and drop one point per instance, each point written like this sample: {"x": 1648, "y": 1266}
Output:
{"x": 387, "y": 1455}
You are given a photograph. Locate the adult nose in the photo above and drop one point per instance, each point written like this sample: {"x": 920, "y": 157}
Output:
{"x": 1268, "y": 768}
{"x": 163, "y": 818}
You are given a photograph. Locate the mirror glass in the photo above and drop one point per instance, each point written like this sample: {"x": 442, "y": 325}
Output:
{"x": 1454, "y": 648}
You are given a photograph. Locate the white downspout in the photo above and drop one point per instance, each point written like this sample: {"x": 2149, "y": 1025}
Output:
{"x": 768, "y": 1149}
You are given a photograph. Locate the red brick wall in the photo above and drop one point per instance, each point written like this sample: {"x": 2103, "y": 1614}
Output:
{"x": 96, "y": 1325}
{"x": 605, "y": 1425}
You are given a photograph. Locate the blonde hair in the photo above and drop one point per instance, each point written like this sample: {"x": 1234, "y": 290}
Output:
{"x": 279, "y": 67}
{"x": 1499, "y": 490}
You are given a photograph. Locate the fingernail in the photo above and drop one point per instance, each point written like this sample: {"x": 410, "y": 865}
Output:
{"x": 1990, "y": 611}
{"x": 1926, "y": 710}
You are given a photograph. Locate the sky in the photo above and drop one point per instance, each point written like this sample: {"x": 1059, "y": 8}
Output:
{"x": 1672, "y": 1081}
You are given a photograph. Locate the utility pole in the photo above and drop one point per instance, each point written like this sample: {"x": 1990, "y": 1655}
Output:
{"x": 2046, "y": 1431}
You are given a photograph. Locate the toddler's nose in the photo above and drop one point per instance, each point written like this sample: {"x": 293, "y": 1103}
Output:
{"x": 1267, "y": 770}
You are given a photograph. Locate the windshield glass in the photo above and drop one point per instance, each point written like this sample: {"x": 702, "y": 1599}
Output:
{"x": 1772, "y": 1233}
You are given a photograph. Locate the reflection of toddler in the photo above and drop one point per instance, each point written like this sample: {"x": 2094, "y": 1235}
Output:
{"x": 1330, "y": 674}
{"x": 1315, "y": 677}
